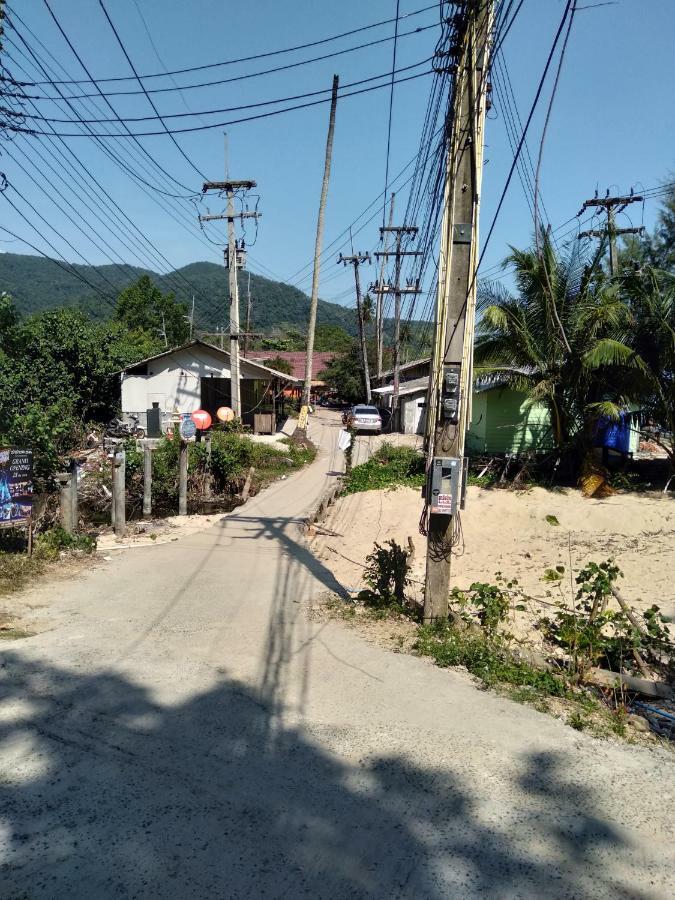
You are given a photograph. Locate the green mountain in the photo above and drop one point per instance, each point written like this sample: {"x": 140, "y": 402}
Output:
{"x": 37, "y": 284}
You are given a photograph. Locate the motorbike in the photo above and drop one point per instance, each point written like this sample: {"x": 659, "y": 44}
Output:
{"x": 120, "y": 428}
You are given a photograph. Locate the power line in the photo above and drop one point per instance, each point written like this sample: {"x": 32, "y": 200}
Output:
{"x": 391, "y": 108}
{"x": 231, "y": 62}
{"x": 221, "y": 81}
{"x": 141, "y": 148}
{"x": 115, "y": 206}
{"x": 149, "y": 98}
{"x": 84, "y": 67}
{"x": 212, "y": 112}
{"x": 138, "y": 134}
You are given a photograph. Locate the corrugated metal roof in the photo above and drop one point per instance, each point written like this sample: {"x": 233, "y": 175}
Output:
{"x": 215, "y": 349}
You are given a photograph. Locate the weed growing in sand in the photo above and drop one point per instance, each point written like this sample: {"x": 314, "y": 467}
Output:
{"x": 593, "y": 634}
{"x": 387, "y": 575}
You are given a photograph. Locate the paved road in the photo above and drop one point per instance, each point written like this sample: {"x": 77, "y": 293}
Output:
{"x": 185, "y": 731}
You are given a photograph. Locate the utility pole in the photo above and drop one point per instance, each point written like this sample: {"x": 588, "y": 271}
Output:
{"x": 379, "y": 306}
{"x": 612, "y": 206}
{"x": 314, "y": 299}
{"x": 400, "y": 232}
{"x": 249, "y": 303}
{"x": 449, "y": 397}
{"x": 235, "y": 258}
{"x": 356, "y": 261}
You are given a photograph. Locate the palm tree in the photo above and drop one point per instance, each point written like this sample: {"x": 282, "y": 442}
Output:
{"x": 641, "y": 352}
{"x": 540, "y": 339}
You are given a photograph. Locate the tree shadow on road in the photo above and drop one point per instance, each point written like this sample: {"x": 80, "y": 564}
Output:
{"x": 106, "y": 793}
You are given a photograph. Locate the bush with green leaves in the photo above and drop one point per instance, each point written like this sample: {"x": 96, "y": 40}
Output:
{"x": 387, "y": 575}
{"x": 388, "y": 467}
{"x": 218, "y": 473}
{"x": 51, "y": 543}
{"x": 592, "y": 634}
{"x": 488, "y": 604}
{"x": 488, "y": 658}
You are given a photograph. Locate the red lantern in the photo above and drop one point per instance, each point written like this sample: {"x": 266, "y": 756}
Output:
{"x": 201, "y": 419}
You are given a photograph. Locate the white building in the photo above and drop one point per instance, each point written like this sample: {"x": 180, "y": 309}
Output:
{"x": 198, "y": 376}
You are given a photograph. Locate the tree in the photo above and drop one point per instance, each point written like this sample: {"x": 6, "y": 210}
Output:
{"x": 344, "y": 375}
{"x": 332, "y": 337}
{"x": 641, "y": 352}
{"x": 543, "y": 339}
{"x": 280, "y": 364}
{"x": 143, "y": 307}
{"x": 56, "y": 374}
{"x": 663, "y": 241}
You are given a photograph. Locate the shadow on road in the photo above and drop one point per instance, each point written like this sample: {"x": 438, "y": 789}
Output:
{"x": 105, "y": 793}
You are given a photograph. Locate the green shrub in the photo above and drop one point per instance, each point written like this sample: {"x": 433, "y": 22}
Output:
{"x": 386, "y": 574}
{"x": 389, "y": 466}
{"x": 489, "y": 660}
{"x": 49, "y": 544}
{"x": 592, "y": 634}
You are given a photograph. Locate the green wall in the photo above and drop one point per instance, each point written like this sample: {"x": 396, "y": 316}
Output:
{"x": 505, "y": 422}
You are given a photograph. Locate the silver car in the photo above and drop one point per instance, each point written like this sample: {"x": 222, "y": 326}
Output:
{"x": 366, "y": 418}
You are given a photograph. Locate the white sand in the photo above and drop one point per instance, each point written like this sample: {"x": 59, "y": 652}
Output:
{"x": 507, "y": 531}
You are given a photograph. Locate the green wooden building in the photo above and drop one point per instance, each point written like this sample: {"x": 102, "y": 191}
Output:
{"x": 506, "y": 421}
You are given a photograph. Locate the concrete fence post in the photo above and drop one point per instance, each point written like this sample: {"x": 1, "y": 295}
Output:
{"x": 65, "y": 501}
{"x": 74, "y": 512}
{"x": 147, "y": 482}
{"x": 119, "y": 488}
{"x": 182, "y": 479}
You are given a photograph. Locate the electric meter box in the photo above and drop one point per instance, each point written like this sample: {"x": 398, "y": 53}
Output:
{"x": 445, "y": 485}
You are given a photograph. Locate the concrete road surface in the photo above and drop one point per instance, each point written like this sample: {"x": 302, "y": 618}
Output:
{"x": 183, "y": 730}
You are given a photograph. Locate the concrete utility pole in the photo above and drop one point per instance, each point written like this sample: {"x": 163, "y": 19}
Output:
{"x": 612, "y": 206}
{"x": 356, "y": 261}
{"x": 449, "y": 398}
{"x": 314, "y": 299}
{"x": 400, "y": 232}
{"x": 235, "y": 258}
{"x": 379, "y": 306}
{"x": 249, "y": 304}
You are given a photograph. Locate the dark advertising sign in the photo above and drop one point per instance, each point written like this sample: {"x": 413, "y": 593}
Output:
{"x": 16, "y": 486}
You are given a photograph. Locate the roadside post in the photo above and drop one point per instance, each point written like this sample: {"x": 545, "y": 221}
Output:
{"x": 147, "y": 481}
{"x": 182, "y": 478}
{"x": 119, "y": 499}
{"x": 74, "y": 512}
{"x": 188, "y": 431}
{"x": 65, "y": 501}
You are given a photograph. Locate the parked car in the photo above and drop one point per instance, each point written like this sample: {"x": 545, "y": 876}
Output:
{"x": 364, "y": 418}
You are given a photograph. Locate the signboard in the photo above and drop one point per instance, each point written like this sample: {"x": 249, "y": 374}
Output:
{"x": 187, "y": 428}
{"x": 302, "y": 418}
{"x": 16, "y": 486}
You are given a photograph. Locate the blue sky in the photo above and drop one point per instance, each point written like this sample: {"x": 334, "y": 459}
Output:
{"x": 612, "y": 123}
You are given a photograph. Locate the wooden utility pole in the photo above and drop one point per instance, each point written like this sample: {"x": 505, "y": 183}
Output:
{"x": 612, "y": 206}
{"x": 311, "y": 326}
{"x": 449, "y": 398}
{"x": 356, "y": 261}
{"x": 400, "y": 232}
{"x": 379, "y": 305}
{"x": 235, "y": 258}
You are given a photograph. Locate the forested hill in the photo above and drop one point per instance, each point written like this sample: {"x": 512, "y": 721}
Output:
{"x": 37, "y": 283}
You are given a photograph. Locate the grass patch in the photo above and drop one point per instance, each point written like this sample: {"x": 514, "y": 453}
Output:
{"x": 18, "y": 570}
{"x": 488, "y": 660}
{"x": 388, "y": 467}
{"x": 9, "y": 633}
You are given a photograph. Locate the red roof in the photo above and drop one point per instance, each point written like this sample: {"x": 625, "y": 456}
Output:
{"x": 296, "y": 359}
